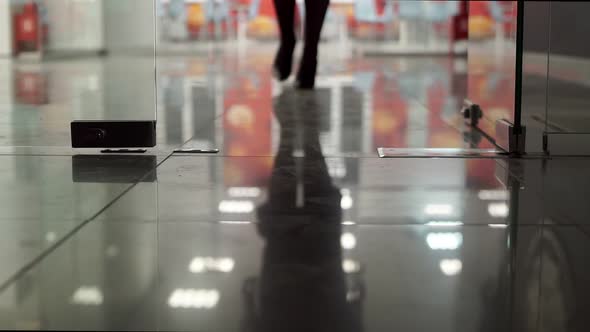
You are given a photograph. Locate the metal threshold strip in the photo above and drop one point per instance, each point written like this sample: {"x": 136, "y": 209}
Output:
{"x": 440, "y": 153}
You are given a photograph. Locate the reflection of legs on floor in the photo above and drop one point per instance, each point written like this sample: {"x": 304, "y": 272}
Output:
{"x": 315, "y": 13}
{"x": 301, "y": 225}
{"x": 285, "y": 10}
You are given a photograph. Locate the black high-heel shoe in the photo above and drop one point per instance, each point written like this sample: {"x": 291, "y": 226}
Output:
{"x": 307, "y": 73}
{"x": 283, "y": 64}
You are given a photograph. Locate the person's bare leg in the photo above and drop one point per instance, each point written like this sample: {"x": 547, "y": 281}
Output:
{"x": 315, "y": 13}
{"x": 285, "y": 10}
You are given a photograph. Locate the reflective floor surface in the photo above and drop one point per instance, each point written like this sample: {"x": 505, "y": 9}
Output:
{"x": 296, "y": 225}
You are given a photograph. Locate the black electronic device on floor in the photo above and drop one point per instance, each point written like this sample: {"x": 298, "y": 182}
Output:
{"x": 113, "y": 134}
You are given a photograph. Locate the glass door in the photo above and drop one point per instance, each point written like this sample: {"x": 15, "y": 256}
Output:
{"x": 494, "y": 71}
{"x": 567, "y": 115}
{"x": 191, "y": 42}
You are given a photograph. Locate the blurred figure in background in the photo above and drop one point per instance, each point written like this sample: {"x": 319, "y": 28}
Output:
{"x": 175, "y": 29}
{"x": 315, "y": 13}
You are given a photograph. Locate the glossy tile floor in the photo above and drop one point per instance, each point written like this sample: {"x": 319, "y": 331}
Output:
{"x": 296, "y": 225}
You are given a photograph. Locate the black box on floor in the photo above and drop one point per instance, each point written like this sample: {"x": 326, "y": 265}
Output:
{"x": 114, "y": 168}
{"x": 113, "y": 134}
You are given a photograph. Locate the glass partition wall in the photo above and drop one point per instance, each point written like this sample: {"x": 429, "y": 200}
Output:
{"x": 567, "y": 115}
{"x": 128, "y": 118}
{"x": 98, "y": 65}
{"x": 495, "y": 72}
{"x": 528, "y": 75}
{"x": 94, "y": 61}
{"x": 90, "y": 63}
{"x": 555, "y": 72}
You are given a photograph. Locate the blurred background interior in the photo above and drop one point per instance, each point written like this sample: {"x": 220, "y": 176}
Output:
{"x": 90, "y": 60}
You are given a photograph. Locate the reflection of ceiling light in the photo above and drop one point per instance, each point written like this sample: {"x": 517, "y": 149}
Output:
{"x": 225, "y": 265}
{"x": 298, "y": 153}
{"x": 235, "y": 222}
{"x": 87, "y": 295}
{"x": 50, "y": 237}
{"x": 244, "y": 191}
{"x": 498, "y": 225}
{"x": 193, "y": 298}
{"x": 236, "y": 206}
{"x": 438, "y": 209}
{"x": 350, "y": 266}
{"x": 93, "y": 83}
{"x": 444, "y": 223}
{"x": 346, "y": 202}
{"x": 348, "y": 223}
{"x": 336, "y": 168}
{"x": 353, "y": 295}
{"x": 348, "y": 241}
{"x": 444, "y": 241}
{"x": 498, "y": 210}
{"x": 112, "y": 251}
{"x": 204, "y": 264}
{"x": 493, "y": 195}
{"x": 197, "y": 265}
{"x": 451, "y": 267}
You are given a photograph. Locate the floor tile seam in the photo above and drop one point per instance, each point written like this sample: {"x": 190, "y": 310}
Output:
{"x": 163, "y": 221}
{"x": 581, "y": 158}
{"x": 70, "y": 234}
{"x": 220, "y": 155}
{"x": 565, "y": 224}
{"x": 355, "y": 156}
{"x": 82, "y": 154}
{"x": 163, "y": 155}
{"x": 331, "y": 156}
{"x": 128, "y": 220}
{"x": 34, "y": 155}
{"x": 585, "y": 157}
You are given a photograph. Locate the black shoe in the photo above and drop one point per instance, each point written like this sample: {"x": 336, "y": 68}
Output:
{"x": 305, "y": 85}
{"x": 306, "y": 75}
{"x": 284, "y": 61}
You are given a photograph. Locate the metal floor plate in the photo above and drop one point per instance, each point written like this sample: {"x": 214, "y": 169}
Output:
{"x": 439, "y": 153}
